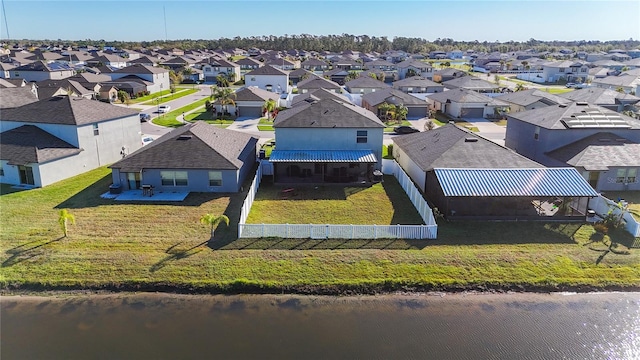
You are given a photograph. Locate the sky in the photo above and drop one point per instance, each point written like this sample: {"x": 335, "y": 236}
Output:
{"x": 144, "y": 20}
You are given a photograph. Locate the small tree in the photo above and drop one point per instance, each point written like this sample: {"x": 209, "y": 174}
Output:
{"x": 496, "y": 79}
{"x": 64, "y": 218}
{"x": 429, "y": 125}
{"x": 269, "y": 107}
{"x": 122, "y": 96}
{"x": 212, "y": 221}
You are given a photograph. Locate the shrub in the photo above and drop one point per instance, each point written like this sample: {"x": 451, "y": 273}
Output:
{"x": 601, "y": 227}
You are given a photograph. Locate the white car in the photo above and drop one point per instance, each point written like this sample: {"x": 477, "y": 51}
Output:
{"x": 164, "y": 108}
{"x": 146, "y": 140}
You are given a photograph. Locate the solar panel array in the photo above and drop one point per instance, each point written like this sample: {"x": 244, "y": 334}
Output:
{"x": 593, "y": 118}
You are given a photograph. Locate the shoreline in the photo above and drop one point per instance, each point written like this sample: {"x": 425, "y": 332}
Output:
{"x": 310, "y": 290}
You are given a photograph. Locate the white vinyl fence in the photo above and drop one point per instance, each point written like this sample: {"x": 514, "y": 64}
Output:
{"x": 330, "y": 231}
{"x": 601, "y": 205}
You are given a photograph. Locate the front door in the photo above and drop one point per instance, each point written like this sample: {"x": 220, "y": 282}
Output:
{"x": 594, "y": 176}
{"x": 26, "y": 175}
{"x": 134, "y": 180}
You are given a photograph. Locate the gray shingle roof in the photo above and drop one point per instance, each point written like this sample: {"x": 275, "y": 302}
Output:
{"x": 415, "y": 81}
{"x": 599, "y": 96}
{"x": 66, "y": 110}
{"x": 30, "y": 144}
{"x": 598, "y": 152}
{"x": 16, "y": 96}
{"x": 448, "y": 147}
{"x": 142, "y": 69}
{"x": 317, "y": 82}
{"x": 266, "y": 70}
{"x": 551, "y": 117}
{"x": 252, "y": 93}
{"x": 622, "y": 80}
{"x": 470, "y": 83}
{"x": 194, "y": 146}
{"x": 464, "y": 96}
{"x": 527, "y": 97}
{"x": 318, "y": 94}
{"x": 378, "y": 97}
{"x": 366, "y": 82}
{"x": 327, "y": 113}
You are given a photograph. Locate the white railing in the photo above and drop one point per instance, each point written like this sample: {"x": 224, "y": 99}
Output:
{"x": 251, "y": 195}
{"x": 601, "y": 205}
{"x": 331, "y": 231}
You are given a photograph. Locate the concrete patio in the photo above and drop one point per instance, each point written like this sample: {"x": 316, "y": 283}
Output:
{"x": 137, "y": 195}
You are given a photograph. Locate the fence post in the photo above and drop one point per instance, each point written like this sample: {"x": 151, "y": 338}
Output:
{"x": 352, "y": 231}
{"x": 262, "y": 230}
{"x": 287, "y": 231}
{"x": 375, "y": 231}
{"x": 326, "y": 234}
{"x": 310, "y": 231}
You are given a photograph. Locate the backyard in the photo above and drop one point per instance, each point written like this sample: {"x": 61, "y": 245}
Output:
{"x": 164, "y": 247}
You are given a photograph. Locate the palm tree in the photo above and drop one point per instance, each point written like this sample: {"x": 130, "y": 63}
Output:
{"x": 269, "y": 106}
{"x": 213, "y": 221}
{"x": 64, "y": 219}
{"x": 225, "y": 96}
{"x": 520, "y": 87}
{"x": 401, "y": 112}
{"x": 386, "y": 108}
{"x": 222, "y": 81}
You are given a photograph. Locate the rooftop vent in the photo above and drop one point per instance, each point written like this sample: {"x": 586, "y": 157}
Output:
{"x": 604, "y": 140}
{"x": 470, "y": 139}
{"x": 185, "y": 137}
{"x": 562, "y": 106}
{"x": 582, "y": 103}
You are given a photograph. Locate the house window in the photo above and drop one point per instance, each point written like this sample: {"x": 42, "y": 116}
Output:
{"x": 536, "y": 134}
{"x": 620, "y": 176}
{"x": 410, "y": 89}
{"x": 561, "y": 70}
{"x": 253, "y": 78}
{"x": 361, "y": 137}
{"x": 174, "y": 178}
{"x": 631, "y": 175}
{"x": 26, "y": 175}
{"x": 215, "y": 178}
{"x": 96, "y": 131}
{"x": 583, "y": 70}
{"x": 207, "y": 69}
{"x": 16, "y": 74}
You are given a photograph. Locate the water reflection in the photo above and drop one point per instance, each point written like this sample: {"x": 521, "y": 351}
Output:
{"x": 161, "y": 326}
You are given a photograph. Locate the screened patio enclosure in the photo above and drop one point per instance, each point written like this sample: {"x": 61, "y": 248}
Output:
{"x": 512, "y": 194}
{"x": 317, "y": 166}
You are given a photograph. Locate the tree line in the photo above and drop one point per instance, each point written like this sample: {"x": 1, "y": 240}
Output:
{"x": 363, "y": 43}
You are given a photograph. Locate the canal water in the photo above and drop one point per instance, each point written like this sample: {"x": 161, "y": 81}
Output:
{"x": 416, "y": 326}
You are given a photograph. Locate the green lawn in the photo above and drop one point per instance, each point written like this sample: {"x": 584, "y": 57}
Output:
{"x": 150, "y": 96}
{"x": 265, "y": 125}
{"x": 178, "y": 94}
{"x": 169, "y": 119}
{"x": 556, "y": 90}
{"x": 268, "y": 147}
{"x": 334, "y": 205}
{"x": 389, "y": 128}
{"x": 155, "y": 246}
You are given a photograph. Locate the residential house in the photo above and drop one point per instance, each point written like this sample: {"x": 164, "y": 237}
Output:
{"x": 467, "y": 176}
{"x": 437, "y": 54}
{"x": 317, "y": 95}
{"x": 466, "y": 104}
{"x": 50, "y": 88}
{"x": 336, "y": 75}
{"x": 412, "y": 67}
{"x": 382, "y": 65}
{"x": 609, "y": 64}
{"x": 417, "y": 108}
{"x": 609, "y": 162}
{"x": 281, "y": 63}
{"x": 346, "y": 64}
{"x": 248, "y": 102}
{"x": 569, "y": 71}
{"x": 365, "y": 85}
{"x": 314, "y": 82}
{"x": 248, "y": 64}
{"x": 417, "y": 84}
{"x": 60, "y": 137}
{"x": 212, "y": 68}
{"x": 455, "y": 54}
{"x": 298, "y": 75}
{"x": 537, "y": 133}
{"x": 326, "y": 141}
{"x": 628, "y": 83}
{"x": 144, "y": 60}
{"x": 531, "y": 99}
{"x": 115, "y": 61}
{"x": 5, "y": 70}
{"x": 313, "y": 64}
{"x": 203, "y": 158}
{"x": 268, "y": 78}
{"x": 15, "y": 96}
{"x": 40, "y": 70}
{"x": 606, "y": 98}
{"x": 447, "y": 74}
{"x": 156, "y": 78}
{"x": 472, "y": 83}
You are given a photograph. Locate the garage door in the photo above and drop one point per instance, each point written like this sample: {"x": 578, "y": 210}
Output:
{"x": 250, "y": 111}
{"x": 416, "y": 112}
{"x": 472, "y": 113}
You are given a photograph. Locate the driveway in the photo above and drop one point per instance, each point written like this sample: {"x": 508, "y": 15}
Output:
{"x": 489, "y": 130}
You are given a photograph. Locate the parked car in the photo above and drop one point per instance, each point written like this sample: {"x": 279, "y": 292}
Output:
{"x": 144, "y": 117}
{"x": 405, "y": 130}
{"x": 581, "y": 86}
{"x": 570, "y": 85}
{"x": 146, "y": 140}
{"x": 164, "y": 108}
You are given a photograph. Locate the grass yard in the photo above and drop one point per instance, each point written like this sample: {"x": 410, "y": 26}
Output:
{"x": 178, "y": 94}
{"x": 556, "y": 90}
{"x": 169, "y": 119}
{"x": 334, "y": 204}
{"x": 265, "y": 124}
{"x": 389, "y": 128}
{"x": 156, "y": 246}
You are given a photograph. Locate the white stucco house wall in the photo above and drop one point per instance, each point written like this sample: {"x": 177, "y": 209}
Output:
{"x": 268, "y": 78}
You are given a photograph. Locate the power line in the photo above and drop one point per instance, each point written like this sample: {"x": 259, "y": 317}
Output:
{"x": 6, "y": 24}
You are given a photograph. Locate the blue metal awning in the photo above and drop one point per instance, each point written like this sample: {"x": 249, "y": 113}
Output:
{"x": 537, "y": 182}
{"x": 335, "y": 156}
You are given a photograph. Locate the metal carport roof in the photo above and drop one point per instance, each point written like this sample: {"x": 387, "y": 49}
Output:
{"x": 540, "y": 182}
{"x": 337, "y": 156}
